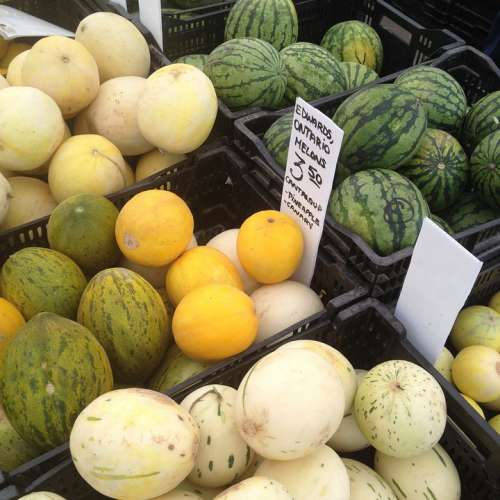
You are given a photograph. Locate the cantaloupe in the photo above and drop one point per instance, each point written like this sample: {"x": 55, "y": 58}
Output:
{"x": 14, "y": 71}
{"x": 156, "y": 161}
{"x": 116, "y": 44}
{"x": 5, "y": 194}
{"x": 65, "y": 70}
{"x": 3, "y": 83}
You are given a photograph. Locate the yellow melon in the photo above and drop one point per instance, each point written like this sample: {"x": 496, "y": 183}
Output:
{"x": 177, "y": 109}
{"x": 443, "y": 364}
{"x": 13, "y": 50}
{"x": 495, "y": 423}
{"x": 10, "y": 322}
{"x": 156, "y": 161}
{"x": 495, "y": 302}
{"x": 63, "y": 69}
{"x": 3, "y": 83}
{"x": 87, "y": 164}
{"x": 474, "y": 405}
{"x": 476, "y": 325}
{"x": 32, "y": 128}
{"x": 14, "y": 71}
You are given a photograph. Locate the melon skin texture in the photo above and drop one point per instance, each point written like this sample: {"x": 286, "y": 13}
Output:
{"x": 400, "y": 409}
{"x": 156, "y": 161}
{"x": 109, "y": 446}
{"x": 365, "y": 483}
{"x": 5, "y": 194}
{"x": 443, "y": 364}
{"x": 42, "y": 495}
{"x": 223, "y": 456}
{"x": 65, "y": 70}
{"x": 476, "y": 325}
{"x": 116, "y": 44}
{"x": 14, "y": 71}
{"x": 255, "y": 487}
{"x": 320, "y": 474}
{"x": 348, "y": 437}
{"x": 429, "y": 475}
{"x": 177, "y": 109}
{"x": 32, "y": 128}
{"x": 179, "y": 494}
{"x": 289, "y": 403}
{"x": 203, "y": 493}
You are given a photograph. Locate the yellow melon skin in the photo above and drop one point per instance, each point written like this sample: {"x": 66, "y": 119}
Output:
{"x": 13, "y": 50}
{"x": 14, "y": 71}
{"x": 10, "y": 322}
{"x": 177, "y": 109}
{"x": 87, "y": 164}
{"x": 156, "y": 161}
{"x": 116, "y": 44}
{"x": 474, "y": 405}
{"x": 495, "y": 423}
{"x": 494, "y": 302}
{"x": 3, "y": 83}
{"x": 476, "y": 325}
{"x": 32, "y": 128}
{"x": 63, "y": 69}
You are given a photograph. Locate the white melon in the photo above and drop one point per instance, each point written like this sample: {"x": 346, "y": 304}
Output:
{"x": 257, "y": 487}
{"x": 365, "y": 483}
{"x": 443, "y": 364}
{"x": 348, "y": 437}
{"x": 14, "y": 71}
{"x": 156, "y": 161}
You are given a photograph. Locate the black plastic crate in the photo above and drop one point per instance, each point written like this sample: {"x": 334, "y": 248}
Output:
{"x": 367, "y": 334}
{"x": 385, "y": 275}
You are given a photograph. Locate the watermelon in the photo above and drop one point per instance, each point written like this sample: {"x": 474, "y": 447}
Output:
{"x": 128, "y": 317}
{"x": 441, "y": 95}
{"x": 382, "y": 207}
{"x": 274, "y": 21}
{"x": 312, "y": 72}
{"x": 39, "y": 280}
{"x": 441, "y": 223}
{"x": 439, "y": 169}
{"x": 247, "y": 72}
{"x": 383, "y": 126}
{"x": 485, "y": 169}
{"x": 277, "y": 138}
{"x": 357, "y": 74}
{"x": 469, "y": 211}
{"x": 53, "y": 369}
{"x": 355, "y": 41}
{"x": 83, "y": 228}
{"x": 482, "y": 119}
{"x": 197, "y": 60}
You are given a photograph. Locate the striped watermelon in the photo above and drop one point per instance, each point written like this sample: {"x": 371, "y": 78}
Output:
{"x": 355, "y": 41}
{"x": 485, "y": 169}
{"x": 357, "y": 75}
{"x": 277, "y": 138}
{"x": 482, "y": 119}
{"x": 441, "y": 223}
{"x": 197, "y": 60}
{"x": 52, "y": 370}
{"x": 274, "y": 21}
{"x": 439, "y": 169}
{"x": 39, "y": 280}
{"x": 441, "y": 95}
{"x": 382, "y": 207}
{"x": 128, "y": 317}
{"x": 247, "y": 72}
{"x": 383, "y": 126}
{"x": 312, "y": 72}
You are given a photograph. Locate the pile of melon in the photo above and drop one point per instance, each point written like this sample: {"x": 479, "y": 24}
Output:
{"x": 77, "y": 114}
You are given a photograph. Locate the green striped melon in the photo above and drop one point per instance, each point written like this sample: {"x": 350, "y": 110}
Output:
{"x": 485, "y": 169}
{"x": 274, "y": 21}
{"x": 39, "y": 280}
{"x": 441, "y": 223}
{"x": 439, "y": 169}
{"x": 312, "y": 72}
{"x": 469, "y": 211}
{"x": 247, "y": 72}
{"x": 277, "y": 138}
{"x": 357, "y": 75}
{"x": 441, "y": 95}
{"x": 355, "y": 41}
{"x": 482, "y": 119}
{"x": 197, "y": 60}
{"x": 53, "y": 368}
{"x": 383, "y": 126}
{"x": 382, "y": 207}
{"x": 129, "y": 318}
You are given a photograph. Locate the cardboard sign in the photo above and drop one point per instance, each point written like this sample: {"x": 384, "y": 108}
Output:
{"x": 439, "y": 280}
{"x": 150, "y": 16}
{"x": 312, "y": 159}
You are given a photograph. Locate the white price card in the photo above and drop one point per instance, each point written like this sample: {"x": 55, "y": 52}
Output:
{"x": 16, "y": 24}
{"x": 150, "y": 16}
{"x": 312, "y": 160}
{"x": 439, "y": 280}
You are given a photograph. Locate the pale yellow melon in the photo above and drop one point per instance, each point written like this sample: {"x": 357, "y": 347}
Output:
{"x": 3, "y": 83}
{"x": 65, "y": 70}
{"x": 156, "y": 161}
{"x": 116, "y": 44}
{"x": 87, "y": 164}
{"x": 14, "y": 49}
{"x": 14, "y": 71}
{"x": 177, "y": 109}
{"x": 5, "y": 194}
{"x": 443, "y": 364}
{"x": 474, "y": 405}
{"x": 30, "y": 199}
{"x": 32, "y": 128}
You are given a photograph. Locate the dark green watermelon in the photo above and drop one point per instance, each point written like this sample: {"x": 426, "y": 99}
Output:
{"x": 277, "y": 138}
{"x": 358, "y": 75}
{"x": 196, "y": 60}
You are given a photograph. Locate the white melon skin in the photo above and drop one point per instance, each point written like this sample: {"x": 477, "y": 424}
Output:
{"x": 225, "y": 242}
{"x": 42, "y": 495}
{"x": 429, "y": 475}
{"x": 223, "y": 456}
{"x": 179, "y": 494}
{"x": 289, "y": 403}
{"x": 202, "y": 492}
{"x": 348, "y": 437}
{"x": 400, "y": 408}
{"x": 365, "y": 483}
{"x": 320, "y": 474}
{"x": 261, "y": 488}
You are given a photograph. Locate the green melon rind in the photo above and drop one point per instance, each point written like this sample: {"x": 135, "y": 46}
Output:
{"x": 39, "y": 280}
{"x": 53, "y": 368}
{"x": 247, "y": 72}
{"x": 274, "y": 21}
{"x": 277, "y": 138}
{"x": 485, "y": 170}
{"x": 196, "y": 60}
{"x": 441, "y": 95}
{"x": 383, "y": 126}
{"x": 439, "y": 168}
{"x": 358, "y": 75}
{"x": 129, "y": 318}
{"x": 441, "y": 223}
